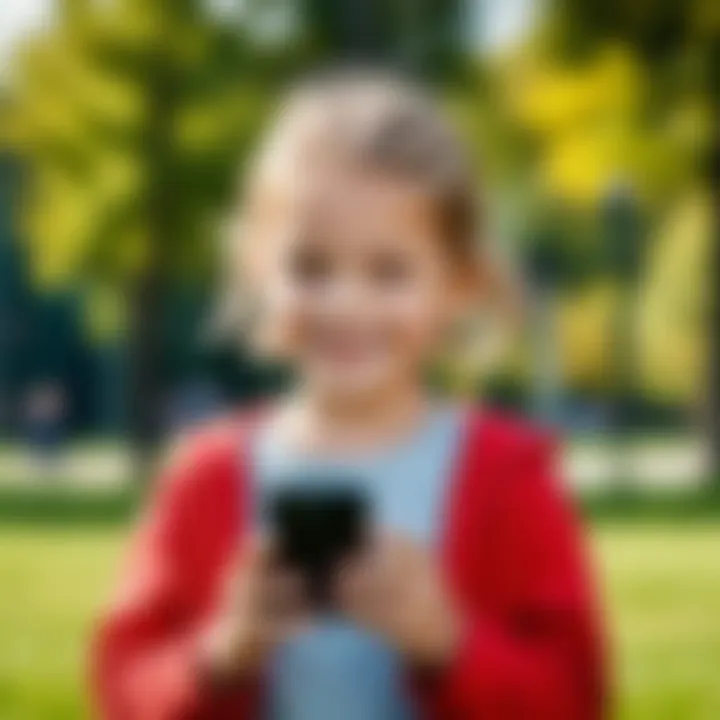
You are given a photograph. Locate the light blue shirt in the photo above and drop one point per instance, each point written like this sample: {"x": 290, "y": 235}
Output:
{"x": 335, "y": 670}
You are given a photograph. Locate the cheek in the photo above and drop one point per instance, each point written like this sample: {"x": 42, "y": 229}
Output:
{"x": 297, "y": 312}
{"x": 285, "y": 305}
{"x": 417, "y": 318}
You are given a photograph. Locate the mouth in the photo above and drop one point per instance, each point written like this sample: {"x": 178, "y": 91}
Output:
{"x": 346, "y": 350}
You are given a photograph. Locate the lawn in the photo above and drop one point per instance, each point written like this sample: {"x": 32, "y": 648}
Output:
{"x": 661, "y": 587}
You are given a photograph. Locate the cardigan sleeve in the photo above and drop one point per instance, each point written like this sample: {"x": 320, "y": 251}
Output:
{"x": 532, "y": 653}
{"x": 145, "y": 655}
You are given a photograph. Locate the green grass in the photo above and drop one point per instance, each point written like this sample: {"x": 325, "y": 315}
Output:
{"x": 53, "y": 582}
{"x": 661, "y": 586}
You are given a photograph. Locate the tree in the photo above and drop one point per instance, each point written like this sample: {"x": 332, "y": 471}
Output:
{"x": 678, "y": 43}
{"x": 131, "y": 116}
{"x": 422, "y": 38}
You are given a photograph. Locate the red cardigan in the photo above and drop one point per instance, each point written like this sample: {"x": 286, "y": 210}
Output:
{"x": 511, "y": 554}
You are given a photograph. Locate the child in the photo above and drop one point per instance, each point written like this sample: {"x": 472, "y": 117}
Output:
{"x": 359, "y": 252}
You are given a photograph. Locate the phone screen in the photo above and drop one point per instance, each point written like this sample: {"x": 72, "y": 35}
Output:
{"x": 316, "y": 527}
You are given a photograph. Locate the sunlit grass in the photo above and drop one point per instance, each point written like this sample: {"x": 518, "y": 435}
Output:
{"x": 663, "y": 595}
{"x": 662, "y": 588}
{"x": 53, "y": 582}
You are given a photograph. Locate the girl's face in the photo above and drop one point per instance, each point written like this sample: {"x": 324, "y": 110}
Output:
{"x": 355, "y": 283}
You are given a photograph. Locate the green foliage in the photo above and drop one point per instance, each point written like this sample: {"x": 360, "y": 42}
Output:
{"x": 423, "y": 38}
{"x": 124, "y": 111}
{"x": 656, "y": 28}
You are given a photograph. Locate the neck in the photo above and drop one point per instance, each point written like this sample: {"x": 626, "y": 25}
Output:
{"x": 318, "y": 422}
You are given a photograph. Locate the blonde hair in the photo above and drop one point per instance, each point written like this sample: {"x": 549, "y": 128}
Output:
{"x": 389, "y": 126}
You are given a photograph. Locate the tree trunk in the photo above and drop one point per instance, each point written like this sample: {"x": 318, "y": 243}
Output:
{"x": 146, "y": 365}
{"x": 149, "y": 294}
{"x": 714, "y": 329}
{"x": 547, "y": 361}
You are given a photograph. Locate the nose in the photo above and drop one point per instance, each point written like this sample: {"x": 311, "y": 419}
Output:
{"x": 345, "y": 295}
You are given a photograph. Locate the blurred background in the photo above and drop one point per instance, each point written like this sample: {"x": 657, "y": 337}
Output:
{"x": 595, "y": 129}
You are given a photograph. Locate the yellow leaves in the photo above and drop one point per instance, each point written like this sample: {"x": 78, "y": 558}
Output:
{"x": 606, "y": 116}
{"x": 67, "y": 216}
{"x": 585, "y": 323}
{"x": 131, "y": 251}
{"x": 43, "y": 109}
{"x": 674, "y": 299}
{"x": 61, "y": 94}
{"x": 584, "y": 119}
{"x": 134, "y": 26}
{"x": 108, "y": 98}
{"x": 79, "y": 117}
{"x": 670, "y": 320}
{"x": 581, "y": 166}
{"x": 546, "y": 104}
{"x": 705, "y": 19}
{"x": 105, "y": 313}
{"x": 548, "y": 99}
{"x": 212, "y": 124}
{"x": 118, "y": 177}
{"x": 59, "y": 237}
{"x": 200, "y": 128}
{"x": 691, "y": 124}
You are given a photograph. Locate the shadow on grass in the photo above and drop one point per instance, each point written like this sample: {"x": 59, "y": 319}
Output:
{"x": 58, "y": 506}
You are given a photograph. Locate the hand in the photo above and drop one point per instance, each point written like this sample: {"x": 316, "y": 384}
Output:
{"x": 396, "y": 589}
{"x": 264, "y": 606}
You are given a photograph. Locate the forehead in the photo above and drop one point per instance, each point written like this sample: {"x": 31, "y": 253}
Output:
{"x": 328, "y": 200}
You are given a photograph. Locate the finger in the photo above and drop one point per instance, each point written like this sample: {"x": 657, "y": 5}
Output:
{"x": 387, "y": 560}
{"x": 259, "y": 553}
{"x": 281, "y": 630}
{"x": 404, "y": 568}
{"x": 245, "y": 581}
{"x": 259, "y": 563}
{"x": 381, "y": 540}
{"x": 346, "y": 580}
{"x": 407, "y": 558}
{"x": 285, "y": 594}
{"x": 361, "y": 593}
{"x": 403, "y": 547}
{"x": 349, "y": 581}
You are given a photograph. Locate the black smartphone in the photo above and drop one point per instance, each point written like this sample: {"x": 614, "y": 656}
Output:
{"x": 317, "y": 526}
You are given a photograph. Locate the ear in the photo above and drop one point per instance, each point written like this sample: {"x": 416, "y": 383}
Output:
{"x": 467, "y": 288}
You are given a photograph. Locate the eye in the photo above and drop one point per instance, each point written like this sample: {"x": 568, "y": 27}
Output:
{"x": 310, "y": 265}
